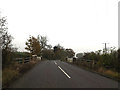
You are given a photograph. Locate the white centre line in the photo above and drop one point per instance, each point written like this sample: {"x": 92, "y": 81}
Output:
{"x": 64, "y": 72}
{"x": 55, "y": 62}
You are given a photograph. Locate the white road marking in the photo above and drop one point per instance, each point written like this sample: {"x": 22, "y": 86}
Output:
{"x": 64, "y": 72}
{"x": 55, "y": 62}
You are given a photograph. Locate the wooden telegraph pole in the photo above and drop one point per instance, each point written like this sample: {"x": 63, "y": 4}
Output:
{"x": 105, "y": 49}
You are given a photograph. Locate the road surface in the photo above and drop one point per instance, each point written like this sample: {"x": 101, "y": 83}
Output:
{"x": 58, "y": 74}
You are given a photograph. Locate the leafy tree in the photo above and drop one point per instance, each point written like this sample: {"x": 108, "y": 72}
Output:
{"x": 58, "y": 52}
{"x": 33, "y": 46}
{"x": 79, "y": 55}
{"x": 106, "y": 60}
{"x": 56, "y": 49}
{"x": 61, "y": 53}
{"x": 48, "y": 54}
{"x": 70, "y": 53}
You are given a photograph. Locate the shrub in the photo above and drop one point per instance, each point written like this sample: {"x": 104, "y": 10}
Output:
{"x": 8, "y": 75}
{"x": 25, "y": 67}
{"x": 111, "y": 73}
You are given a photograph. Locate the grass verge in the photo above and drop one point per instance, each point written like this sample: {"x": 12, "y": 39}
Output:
{"x": 15, "y": 71}
{"x": 101, "y": 71}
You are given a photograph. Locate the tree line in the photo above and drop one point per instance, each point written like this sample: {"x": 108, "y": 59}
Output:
{"x": 109, "y": 60}
{"x": 38, "y": 46}
{"x": 34, "y": 45}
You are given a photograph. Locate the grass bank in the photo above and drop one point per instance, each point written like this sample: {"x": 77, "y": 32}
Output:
{"x": 15, "y": 71}
{"x": 109, "y": 73}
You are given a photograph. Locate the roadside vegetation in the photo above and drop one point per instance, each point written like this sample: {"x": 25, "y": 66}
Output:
{"x": 15, "y": 71}
{"x": 16, "y": 63}
{"x": 106, "y": 64}
{"x": 11, "y": 68}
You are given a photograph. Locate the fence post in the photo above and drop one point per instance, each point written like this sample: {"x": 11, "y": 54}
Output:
{"x": 23, "y": 61}
{"x": 93, "y": 63}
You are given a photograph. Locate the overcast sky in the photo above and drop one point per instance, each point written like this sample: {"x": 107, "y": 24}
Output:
{"x": 82, "y": 25}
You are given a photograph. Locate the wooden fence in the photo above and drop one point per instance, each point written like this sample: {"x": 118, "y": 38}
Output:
{"x": 23, "y": 60}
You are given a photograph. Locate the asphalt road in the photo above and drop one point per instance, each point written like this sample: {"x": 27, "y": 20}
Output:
{"x": 58, "y": 74}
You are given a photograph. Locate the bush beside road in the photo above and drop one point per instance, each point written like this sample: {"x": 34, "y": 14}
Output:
{"x": 99, "y": 70}
{"x": 15, "y": 71}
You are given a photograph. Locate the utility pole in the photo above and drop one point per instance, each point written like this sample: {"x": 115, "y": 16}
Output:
{"x": 105, "y": 49}
{"x": 0, "y": 23}
{"x": 0, "y": 14}
{"x": 0, "y": 30}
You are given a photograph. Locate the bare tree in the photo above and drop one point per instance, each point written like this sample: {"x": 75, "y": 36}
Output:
{"x": 43, "y": 41}
{"x": 5, "y": 42}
